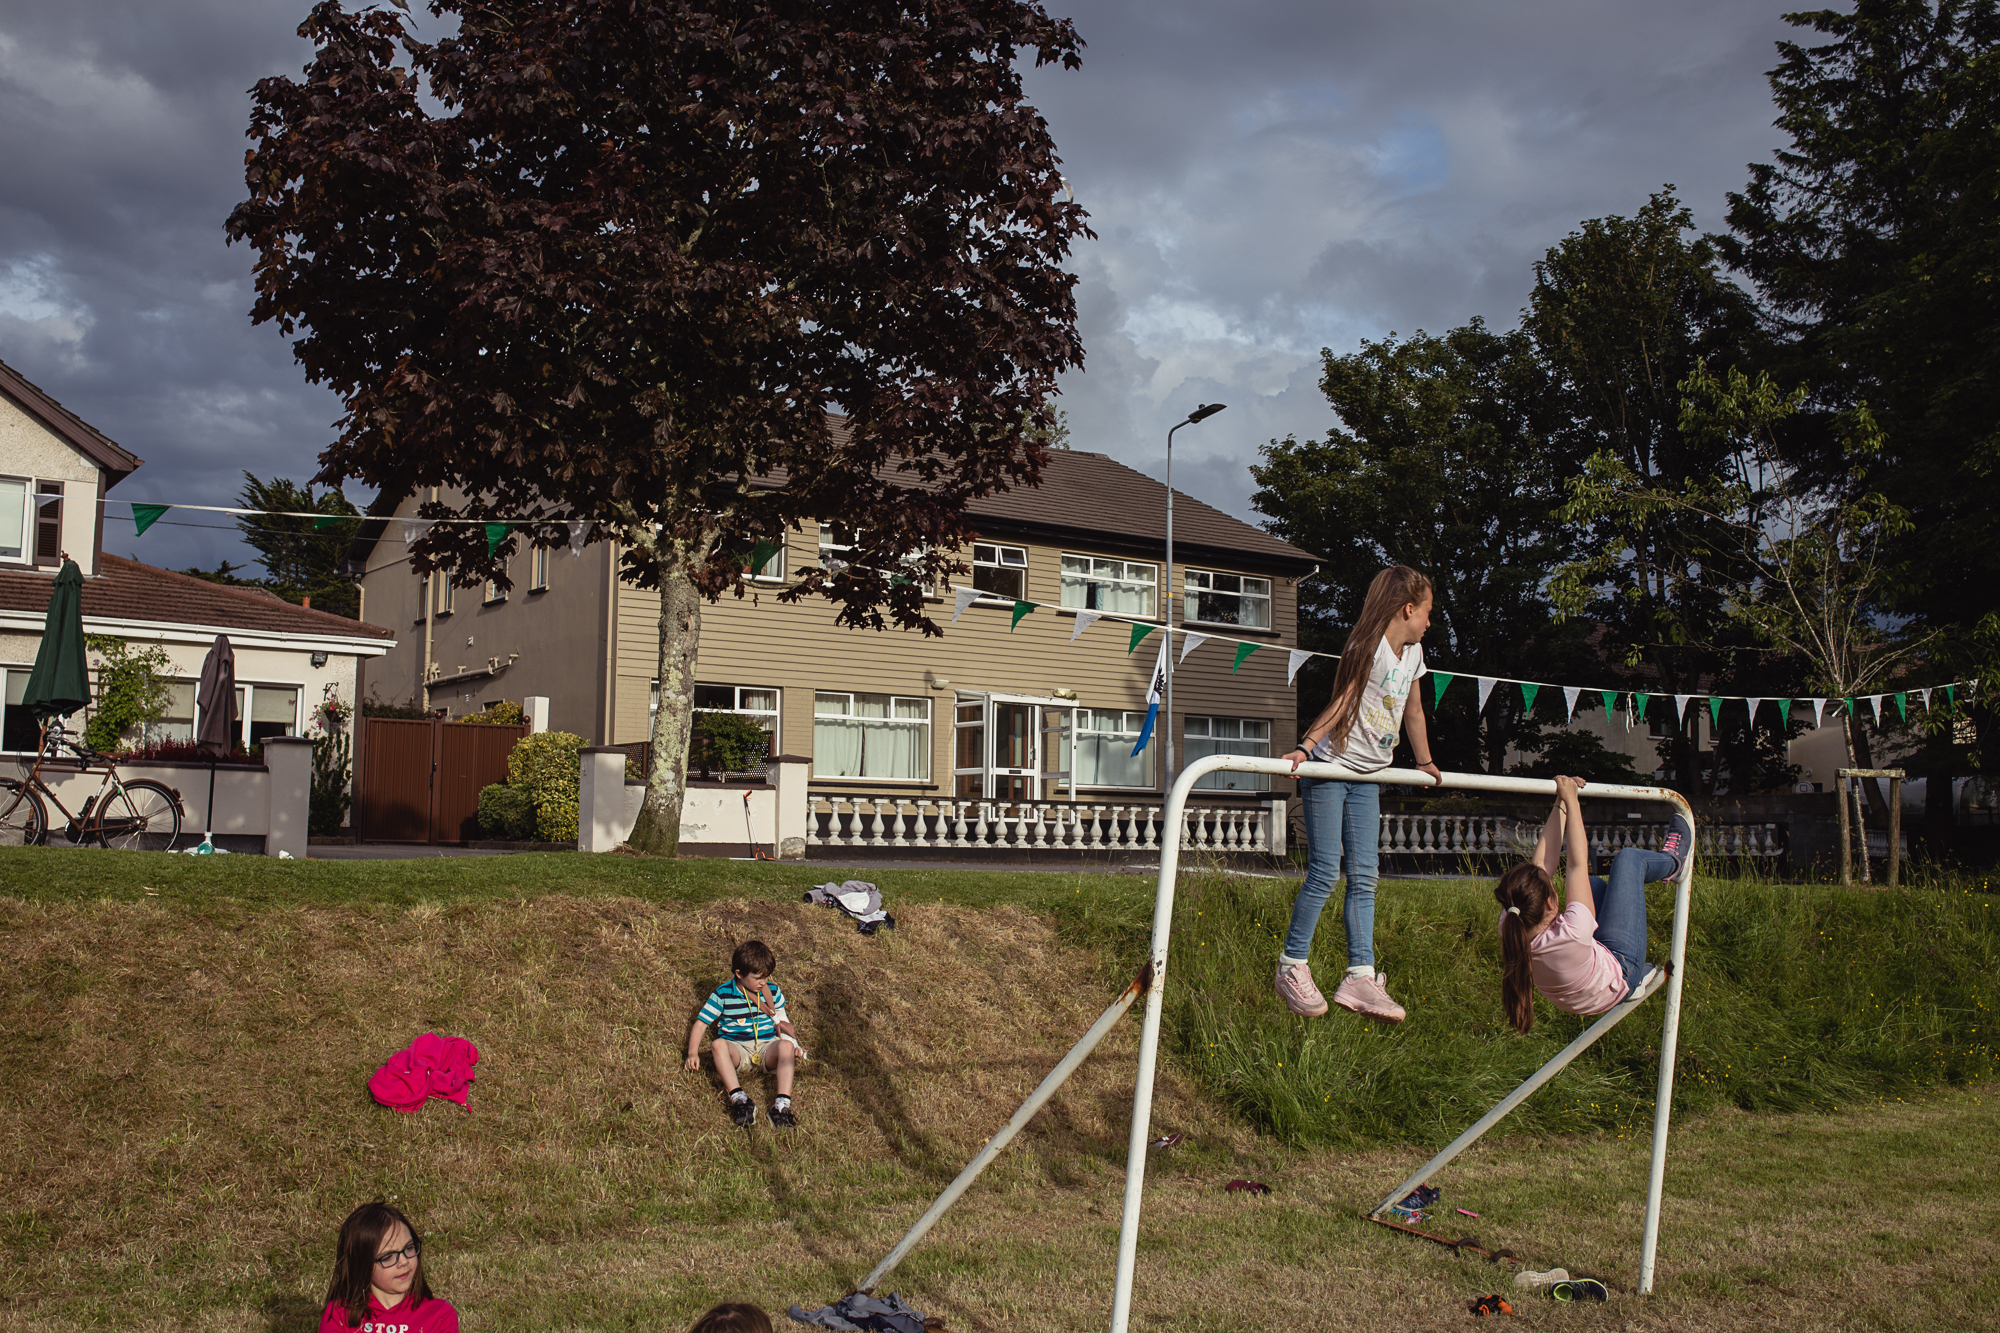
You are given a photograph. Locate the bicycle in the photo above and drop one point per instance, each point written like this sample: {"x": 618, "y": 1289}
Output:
{"x": 129, "y": 816}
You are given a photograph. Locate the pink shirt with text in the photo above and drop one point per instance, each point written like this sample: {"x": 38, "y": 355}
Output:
{"x": 433, "y": 1316}
{"x": 1570, "y": 968}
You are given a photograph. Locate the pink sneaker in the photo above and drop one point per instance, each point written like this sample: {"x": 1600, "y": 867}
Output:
{"x": 1368, "y": 996}
{"x": 1296, "y": 989}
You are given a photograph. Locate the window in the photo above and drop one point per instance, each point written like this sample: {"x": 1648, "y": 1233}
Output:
{"x": 837, "y": 545}
{"x": 267, "y": 710}
{"x": 18, "y": 729}
{"x": 1000, "y": 571}
{"x": 177, "y": 723}
{"x": 14, "y": 521}
{"x": 447, "y": 596}
{"x": 48, "y": 522}
{"x": 765, "y": 560}
{"x": 423, "y": 598}
{"x": 538, "y": 569}
{"x": 1121, "y": 587}
{"x": 492, "y": 592}
{"x": 1228, "y": 599}
{"x": 1204, "y": 736}
{"x": 871, "y": 736}
{"x": 758, "y": 704}
{"x": 1104, "y": 741}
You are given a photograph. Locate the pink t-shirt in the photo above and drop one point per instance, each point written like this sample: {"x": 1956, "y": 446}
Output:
{"x": 1570, "y": 968}
{"x": 433, "y": 1316}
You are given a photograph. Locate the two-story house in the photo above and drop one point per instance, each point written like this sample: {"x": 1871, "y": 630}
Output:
{"x": 992, "y": 709}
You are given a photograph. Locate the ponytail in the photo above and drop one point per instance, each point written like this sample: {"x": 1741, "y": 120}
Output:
{"x": 1525, "y": 892}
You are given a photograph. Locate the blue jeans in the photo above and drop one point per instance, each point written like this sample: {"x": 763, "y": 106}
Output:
{"x": 1343, "y": 830}
{"x": 1621, "y": 906}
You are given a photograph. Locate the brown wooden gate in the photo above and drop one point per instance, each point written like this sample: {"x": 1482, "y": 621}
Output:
{"x": 419, "y": 780}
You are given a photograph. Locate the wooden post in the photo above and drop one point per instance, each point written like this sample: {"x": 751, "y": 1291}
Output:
{"x": 1847, "y": 779}
{"x": 1846, "y": 836}
{"x": 1861, "y": 832}
{"x": 1895, "y": 827}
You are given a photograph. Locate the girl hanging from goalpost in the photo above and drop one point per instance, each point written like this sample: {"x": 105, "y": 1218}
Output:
{"x": 1374, "y": 700}
{"x": 1587, "y": 956}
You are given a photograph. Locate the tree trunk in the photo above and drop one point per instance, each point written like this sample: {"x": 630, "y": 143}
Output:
{"x": 658, "y": 829}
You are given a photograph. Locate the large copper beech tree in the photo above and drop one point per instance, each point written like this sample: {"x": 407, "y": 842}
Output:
{"x": 694, "y": 271}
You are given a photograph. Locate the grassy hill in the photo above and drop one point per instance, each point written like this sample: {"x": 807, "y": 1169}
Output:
{"x": 184, "y": 1046}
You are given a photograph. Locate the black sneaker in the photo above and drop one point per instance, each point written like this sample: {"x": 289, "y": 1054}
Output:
{"x": 742, "y": 1112}
{"x": 1678, "y": 844}
{"x": 782, "y": 1117}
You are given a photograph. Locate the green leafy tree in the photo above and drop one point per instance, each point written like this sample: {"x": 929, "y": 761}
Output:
{"x": 694, "y": 273}
{"x": 133, "y": 691}
{"x": 1444, "y": 460}
{"x": 1622, "y": 311}
{"x": 1874, "y": 237}
{"x": 303, "y": 558}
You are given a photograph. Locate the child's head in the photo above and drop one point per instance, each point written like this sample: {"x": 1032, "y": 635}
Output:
{"x": 733, "y": 1317}
{"x": 753, "y": 958}
{"x": 373, "y": 1233}
{"x": 1398, "y": 592}
{"x": 1527, "y": 893}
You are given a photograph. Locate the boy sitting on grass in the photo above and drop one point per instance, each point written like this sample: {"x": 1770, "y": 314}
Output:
{"x": 751, "y": 1028}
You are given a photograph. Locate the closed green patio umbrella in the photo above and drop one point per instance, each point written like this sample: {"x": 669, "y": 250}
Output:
{"x": 60, "y": 682}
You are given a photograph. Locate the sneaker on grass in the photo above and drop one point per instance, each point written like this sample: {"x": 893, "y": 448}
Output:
{"x": 1530, "y": 1281}
{"x": 742, "y": 1111}
{"x": 782, "y": 1116}
{"x": 1369, "y": 997}
{"x": 1296, "y": 989}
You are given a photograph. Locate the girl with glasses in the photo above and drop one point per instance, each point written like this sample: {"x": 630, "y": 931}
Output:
{"x": 378, "y": 1278}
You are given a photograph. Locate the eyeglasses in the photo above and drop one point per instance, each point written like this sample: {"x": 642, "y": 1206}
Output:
{"x": 393, "y": 1257}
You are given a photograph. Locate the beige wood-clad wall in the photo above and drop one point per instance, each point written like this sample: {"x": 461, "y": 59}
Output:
{"x": 798, "y": 649}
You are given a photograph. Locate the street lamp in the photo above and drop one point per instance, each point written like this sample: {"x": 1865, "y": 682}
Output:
{"x": 1202, "y": 413}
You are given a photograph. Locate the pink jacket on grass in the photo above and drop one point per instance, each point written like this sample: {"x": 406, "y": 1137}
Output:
{"x": 433, "y": 1066}
{"x": 433, "y": 1316}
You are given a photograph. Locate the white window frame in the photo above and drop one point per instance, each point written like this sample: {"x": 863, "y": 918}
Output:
{"x": 768, "y": 716}
{"x": 1191, "y": 591}
{"x": 781, "y": 558}
{"x": 492, "y": 595}
{"x": 834, "y": 552}
{"x": 1198, "y": 732}
{"x": 28, "y": 524}
{"x": 927, "y": 749}
{"x": 447, "y": 594}
{"x": 538, "y": 569}
{"x": 995, "y": 557}
{"x": 1130, "y": 723}
{"x": 1082, "y": 583}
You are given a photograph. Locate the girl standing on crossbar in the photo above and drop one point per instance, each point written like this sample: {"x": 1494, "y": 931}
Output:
{"x": 1587, "y": 956}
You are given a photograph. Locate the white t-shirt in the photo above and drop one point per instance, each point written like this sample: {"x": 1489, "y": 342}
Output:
{"x": 1371, "y": 741}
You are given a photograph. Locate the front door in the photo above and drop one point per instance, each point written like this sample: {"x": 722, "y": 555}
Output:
{"x": 1010, "y": 748}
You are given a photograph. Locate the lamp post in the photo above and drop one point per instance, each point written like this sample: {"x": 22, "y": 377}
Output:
{"x": 1202, "y": 413}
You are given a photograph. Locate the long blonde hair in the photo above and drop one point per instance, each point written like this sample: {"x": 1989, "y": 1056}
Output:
{"x": 1394, "y": 588}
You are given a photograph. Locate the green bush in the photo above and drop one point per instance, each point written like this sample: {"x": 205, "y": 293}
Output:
{"x": 505, "y": 713}
{"x": 132, "y": 691}
{"x": 545, "y": 766}
{"x": 507, "y": 813}
{"x": 728, "y": 741}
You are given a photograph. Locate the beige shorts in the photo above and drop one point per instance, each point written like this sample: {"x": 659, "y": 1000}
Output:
{"x": 763, "y": 1053}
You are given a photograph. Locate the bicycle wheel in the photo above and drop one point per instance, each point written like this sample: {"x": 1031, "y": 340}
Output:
{"x": 22, "y": 817}
{"x": 139, "y": 816}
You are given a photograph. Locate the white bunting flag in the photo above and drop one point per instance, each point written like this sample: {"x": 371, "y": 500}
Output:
{"x": 1681, "y": 708}
{"x": 1819, "y": 707}
{"x": 964, "y": 597}
{"x": 1875, "y": 707}
{"x": 1194, "y": 641}
{"x": 1570, "y": 695}
{"x": 1753, "y": 711}
{"x": 579, "y": 532}
{"x": 414, "y": 529}
{"x": 1084, "y": 620}
{"x": 1486, "y": 684}
{"x": 1297, "y": 658}
{"x": 1926, "y": 696}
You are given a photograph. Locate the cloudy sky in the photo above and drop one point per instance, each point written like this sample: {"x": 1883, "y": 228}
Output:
{"x": 1266, "y": 179}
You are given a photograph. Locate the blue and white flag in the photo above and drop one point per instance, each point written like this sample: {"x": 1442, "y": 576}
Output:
{"x": 1154, "y": 692}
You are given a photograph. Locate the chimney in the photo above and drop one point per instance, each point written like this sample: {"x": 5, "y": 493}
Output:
{"x": 306, "y": 601}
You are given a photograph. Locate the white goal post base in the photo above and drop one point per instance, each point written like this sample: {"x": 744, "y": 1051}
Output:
{"x": 1151, "y": 983}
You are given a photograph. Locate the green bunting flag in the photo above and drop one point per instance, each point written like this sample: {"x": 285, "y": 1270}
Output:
{"x": 1243, "y": 650}
{"x": 1785, "y": 712}
{"x": 1850, "y": 706}
{"x": 1139, "y": 633}
{"x": 325, "y": 521}
{"x": 145, "y": 516}
{"x": 1528, "y": 693}
{"x": 1950, "y": 691}
{"x": 1715, "y": 713}
{"x": 1610, "y": 698}
{"x": 1020, "y": 609}
{"x": 1639, "y": 703}
{"x": 1903, "y": 704}
{"x": 495, "y": 534}
{"x": 1440, "y": 682}
{"x": 760, "y": 555}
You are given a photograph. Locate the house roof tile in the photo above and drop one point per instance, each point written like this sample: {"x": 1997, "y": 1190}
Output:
{"x": 128, "y": 590}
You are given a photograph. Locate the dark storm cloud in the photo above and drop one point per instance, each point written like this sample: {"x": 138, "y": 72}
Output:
{"x": 1266, "y": 179}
